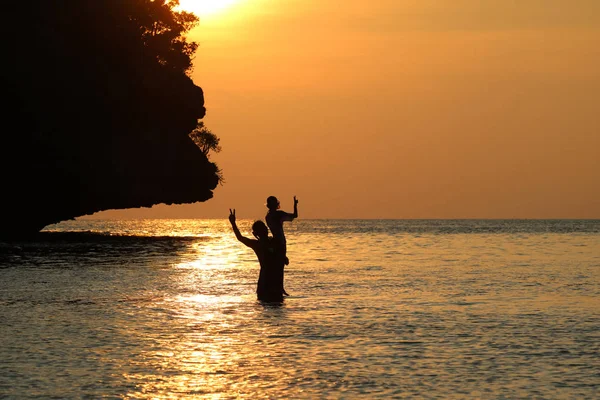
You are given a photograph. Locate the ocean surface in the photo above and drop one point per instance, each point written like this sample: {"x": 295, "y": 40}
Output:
{"x": 378, "y": 309}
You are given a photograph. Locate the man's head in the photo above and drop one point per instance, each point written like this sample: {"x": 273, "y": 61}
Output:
{"x": 272, "y": 203}
{"x": 260, "y": 230}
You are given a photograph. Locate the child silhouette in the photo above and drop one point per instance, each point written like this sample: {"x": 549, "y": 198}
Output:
{"x": 275, "y": 219}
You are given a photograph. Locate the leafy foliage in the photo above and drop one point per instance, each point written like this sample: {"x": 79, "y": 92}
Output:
{"x": 205, "y": 139}
{"x": 163, "y": 30}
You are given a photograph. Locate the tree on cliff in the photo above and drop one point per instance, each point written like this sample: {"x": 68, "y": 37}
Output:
{"x": 207, "y": 142}
{"x": 205, "y": 139}
{"x": 163, "y": 31}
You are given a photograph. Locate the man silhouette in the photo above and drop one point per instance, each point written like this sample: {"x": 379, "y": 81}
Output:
{"x": 270, "y": 257}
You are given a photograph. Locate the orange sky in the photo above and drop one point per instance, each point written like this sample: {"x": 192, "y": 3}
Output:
{"x": 402, "y": 108}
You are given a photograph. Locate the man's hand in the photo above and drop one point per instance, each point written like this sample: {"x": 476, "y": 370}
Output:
{"x": 232, "y": 216}
{"x": 295, "y": 201}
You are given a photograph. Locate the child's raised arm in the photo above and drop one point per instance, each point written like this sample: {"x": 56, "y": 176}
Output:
{"x": 286, "y": 216}
{"x": 295, "y": 207}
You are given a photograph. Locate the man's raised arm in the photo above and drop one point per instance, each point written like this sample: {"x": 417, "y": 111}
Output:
{"x": 248, "y": 242}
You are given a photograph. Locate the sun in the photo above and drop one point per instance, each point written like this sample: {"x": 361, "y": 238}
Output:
{"x": 203, "y": 8}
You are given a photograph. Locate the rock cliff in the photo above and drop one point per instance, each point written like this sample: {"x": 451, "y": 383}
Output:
{"x": 93, "y": 118}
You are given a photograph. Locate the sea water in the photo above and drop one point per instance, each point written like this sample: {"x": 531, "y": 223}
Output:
{"x": 166, "y": 309}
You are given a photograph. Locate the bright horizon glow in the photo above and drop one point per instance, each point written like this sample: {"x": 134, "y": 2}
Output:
{"x": 205, "y": 8}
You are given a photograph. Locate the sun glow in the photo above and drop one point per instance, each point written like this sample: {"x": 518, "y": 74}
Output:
{"x": 204, "y": 8}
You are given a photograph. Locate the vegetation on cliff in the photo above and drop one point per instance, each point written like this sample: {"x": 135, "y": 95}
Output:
{"x": 98, "y": 108}
{"x": 207, "y": 141}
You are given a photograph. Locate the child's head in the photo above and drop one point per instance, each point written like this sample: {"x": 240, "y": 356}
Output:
{"x": 272, "y": 203}
{"x": 260, "y": 230}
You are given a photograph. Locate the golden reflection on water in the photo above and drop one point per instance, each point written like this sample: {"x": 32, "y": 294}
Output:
{"x": 186, "y": 371}
{"x": 199, "y": 360}
{"x": 210, "y": 256}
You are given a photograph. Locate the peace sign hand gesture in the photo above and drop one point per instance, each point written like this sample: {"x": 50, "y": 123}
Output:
{"x": 232, "y": 216}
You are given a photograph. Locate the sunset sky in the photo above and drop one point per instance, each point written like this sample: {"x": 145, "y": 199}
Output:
{"x": 401, "y": 108}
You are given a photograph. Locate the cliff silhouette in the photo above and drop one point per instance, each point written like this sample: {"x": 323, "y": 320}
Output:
{"x": 97, "y": 106}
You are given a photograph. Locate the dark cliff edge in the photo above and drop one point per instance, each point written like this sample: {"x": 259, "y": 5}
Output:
{"x": 91, "y": 120}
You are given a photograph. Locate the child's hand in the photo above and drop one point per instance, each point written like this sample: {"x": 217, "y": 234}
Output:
{"x": 232, "y": 216}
